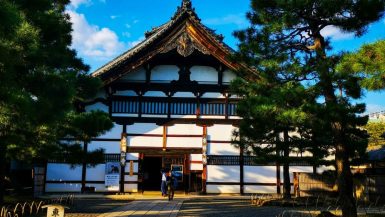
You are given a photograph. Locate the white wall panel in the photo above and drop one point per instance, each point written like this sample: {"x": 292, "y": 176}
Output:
{"x": 212, "y": 95}
{"x": 155, "y": 94}
{"x": 259, "y": 189}
{"x": 141, "y": 141}
{"x": 164, "y": 73}
{"x": 109, "y": 147}
{"x": 58, "y": 172}
{"x": 132, "y": 156}
{"x": 195, "y": 157}
{"x": 228, "y": 76}
{"x": 182, "y": 142}
{"x": 223, "y": 189}
{"x": 62, "y": 187}
{"x": 183, "y": 129}
{"x": 131, "y": 188}
{"x": 97, "y": 106}
{"x": 143, "y": 128}
{"x": 131, "y": 178}
{"x": 98, "y": 187}
{"x": 96, "y": 173}
{"x": 196, "y": 166}
{"x": 260, "y": 174}
{"x": 222, "y": 149}
{"x": 127, "y": 167}
{"x": 219, "y": 173}
{"x": 220, "y": 132}
{"x": 204, "y": 74}
{"x": 139, "y": 75}
{"x": 184, "y": 94}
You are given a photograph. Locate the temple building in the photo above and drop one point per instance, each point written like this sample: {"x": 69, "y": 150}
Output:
{"x": 170, "y": 102}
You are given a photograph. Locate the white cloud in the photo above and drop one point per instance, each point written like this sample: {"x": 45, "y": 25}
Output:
{"x": 335, "y": 33}
{"x": 133, "y": 43}
{"x": 237, "y": 19}
{"x": 371, "y": 108}
{"x": 126, "y": 34}
{"x": 75, "y": 3}
{"x": 91, "y": 40}
{"x": 128, "y": 26}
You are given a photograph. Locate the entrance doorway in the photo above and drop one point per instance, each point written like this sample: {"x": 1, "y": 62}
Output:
{"x": 151, "y": 173}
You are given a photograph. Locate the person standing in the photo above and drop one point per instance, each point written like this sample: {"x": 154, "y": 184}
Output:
{"x": 163, "y": 184}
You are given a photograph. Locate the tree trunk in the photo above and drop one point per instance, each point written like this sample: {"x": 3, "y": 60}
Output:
{"x": 286, "y": 172}
{"x": 345, "y": 182}
{"x": 2, "y": 172}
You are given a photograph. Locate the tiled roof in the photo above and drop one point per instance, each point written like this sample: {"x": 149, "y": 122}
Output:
{"x": 184, "y": 12}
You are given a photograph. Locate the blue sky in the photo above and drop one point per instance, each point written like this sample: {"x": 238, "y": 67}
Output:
{"x": 104, "y": 29}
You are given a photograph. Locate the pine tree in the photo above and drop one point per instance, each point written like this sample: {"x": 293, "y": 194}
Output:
{"x": 42, "y": 81}
{"x": 294, "y": 29}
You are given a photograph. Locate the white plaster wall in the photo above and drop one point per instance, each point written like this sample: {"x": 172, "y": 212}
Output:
{"x": 195, "y": 157}
{"x": 223, "y": 189}
{"x": 139, "y": 75}
{"x": 109, "y": 147}
{"x": 126, "y": 93}
{"x": 96, "y": 173}
{"x": 184, "y": 94}
{"x": 260, "y": 174}
{"x": 127, "y": 167}
{"x": 204, "y": 74}
{"x": 184, "y": 142}
{"x": 220, "y": 132}
{"x": 131, "y": 188}
{"x": 132, "y": 156}
{"x": 220, "y": 173}
{"x": 222, "y": 149}
{"x": 141, "y": 141}
{"x": 212, "y": 95}
{"x": 114, "y": 133}
{"x": 155, "y": 94}
{"x": 131, "y": 178}
{"x": 228, "y": 76}
{"x": 62, "y": 187}
{"x": 59, "y": 172}
{"x": 97, "y": 106}
{"x": 164, "y": 73}
{"x": 259, "y": 189}
{"x": 98, "y": 187}
{"x": 142, "y": 128}
{"x": 182, "y": 129}
{"x": 196, "y": 166}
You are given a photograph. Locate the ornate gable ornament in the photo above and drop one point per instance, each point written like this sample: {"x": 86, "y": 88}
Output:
{"x": 184, "y": 44}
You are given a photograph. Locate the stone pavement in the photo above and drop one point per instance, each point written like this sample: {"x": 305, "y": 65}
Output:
{"x": 147, "y": 208}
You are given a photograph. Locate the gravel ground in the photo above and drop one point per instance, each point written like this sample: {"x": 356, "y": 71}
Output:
{"x": 226, "y": 208}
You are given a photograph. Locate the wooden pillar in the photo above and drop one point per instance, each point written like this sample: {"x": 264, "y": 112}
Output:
{"x": 241, "y": 171}
{"x": 278, "y": 166}
{"x": 204, "y": 159}
{"x": 84, "y": 167}
{"x": 164, "y": 146}
{"x": 123, "y": 150}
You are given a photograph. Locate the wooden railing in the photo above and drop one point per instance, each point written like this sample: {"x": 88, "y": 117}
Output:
{"x": 173, "y": 106}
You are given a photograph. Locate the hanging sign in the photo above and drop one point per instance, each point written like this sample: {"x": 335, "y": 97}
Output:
{"x": 112, "y": 176}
